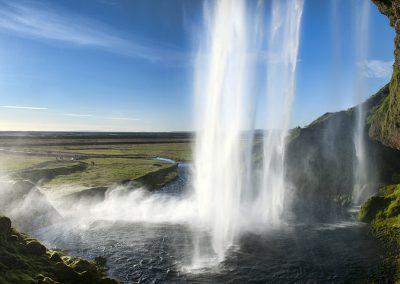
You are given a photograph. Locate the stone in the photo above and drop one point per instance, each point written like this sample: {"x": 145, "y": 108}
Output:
{"x": 13, "y": 238}
{"x": 100, "y": 261}
{"x": 35, "y": 248}
{"x": 5, "y": 225}
{"x": 55, "y": 257}
{"x": 65, "y": 273}
{"x": 41, "y": 279}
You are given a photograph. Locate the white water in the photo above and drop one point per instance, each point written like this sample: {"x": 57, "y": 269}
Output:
{"x": 222, "y": 109}
{"x": 283, "y": 45}
{"x": 224, "y": 116}
{"x": 361, "y": 175}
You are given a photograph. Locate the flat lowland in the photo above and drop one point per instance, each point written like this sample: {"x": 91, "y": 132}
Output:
{"x": 90, "y": 160}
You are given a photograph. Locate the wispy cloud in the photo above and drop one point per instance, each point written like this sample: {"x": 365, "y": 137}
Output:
{"x": 377, "y": 68}
{"x": 123, "y": 118}
{"x": 25, "y": 107}
{"x": 44, "y": 22}
{"x": 78, "y": 115}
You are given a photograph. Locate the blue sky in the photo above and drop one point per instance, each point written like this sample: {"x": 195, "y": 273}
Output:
{"x": 111, "y": 65}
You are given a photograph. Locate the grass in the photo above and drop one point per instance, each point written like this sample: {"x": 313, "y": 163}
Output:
{"x": 12, "y": 162}
{"x": 107, "y": 171}
{"x": 101, "y": 171}
{"x": 175, "y": 151}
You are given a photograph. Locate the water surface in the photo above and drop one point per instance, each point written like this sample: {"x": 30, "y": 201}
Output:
{"x": 163, "y": 252}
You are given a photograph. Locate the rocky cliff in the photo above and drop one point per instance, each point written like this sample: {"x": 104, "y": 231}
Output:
{"x": 385, "y": 118}
{"x": 321, "y": 161}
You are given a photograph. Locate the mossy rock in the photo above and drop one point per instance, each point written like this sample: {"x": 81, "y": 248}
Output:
{"x": 5, "y": 225}
{"x": 35, "y": 248}
{"x": 25, "y": 260}
{"x": 373, "y": 208}
{"x": 41, "y": 279}
{"x": 65, "y": 273}
{"x": 54, "y": 256}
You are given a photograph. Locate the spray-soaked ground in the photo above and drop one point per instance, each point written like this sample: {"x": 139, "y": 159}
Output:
{"x": 161, "y": 252}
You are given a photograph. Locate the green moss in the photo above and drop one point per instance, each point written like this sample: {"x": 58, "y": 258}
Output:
{"x": 384, "y": 119}
{"x": 18, "y": 265}
{"x": 383, "y": 213}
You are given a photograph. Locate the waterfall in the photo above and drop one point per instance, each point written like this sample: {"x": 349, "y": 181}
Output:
{"x": 221, "y": 113}
{"x": 227, "y": 57}
{"x": 283, "y": 46}
{"x": 361, "y": 175}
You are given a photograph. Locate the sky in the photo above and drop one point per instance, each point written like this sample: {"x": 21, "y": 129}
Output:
{"x": 109, "y": 65}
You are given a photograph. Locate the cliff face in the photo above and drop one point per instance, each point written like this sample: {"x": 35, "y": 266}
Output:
{"x": 321, "y": 159}
{"x": 385, "y": 118}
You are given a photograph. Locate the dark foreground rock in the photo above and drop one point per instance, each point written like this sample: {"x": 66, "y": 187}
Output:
{"x": 382, "y": 212}
{"x": 25, "y": 260}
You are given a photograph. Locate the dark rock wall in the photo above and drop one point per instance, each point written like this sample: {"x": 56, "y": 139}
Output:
{"x": 385, "y": 118}
{"x": 321, "y": 160}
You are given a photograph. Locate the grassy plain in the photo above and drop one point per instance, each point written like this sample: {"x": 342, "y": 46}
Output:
{"x": 106, "y": 161}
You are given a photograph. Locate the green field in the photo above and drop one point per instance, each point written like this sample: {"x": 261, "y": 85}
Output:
{"x": 107, "y": 171}
{"x": 88, "y": 166}
{"x": 11, "y": 162}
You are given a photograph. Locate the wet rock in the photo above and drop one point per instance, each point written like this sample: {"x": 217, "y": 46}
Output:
{"x": 35, "y": 248}
{"x": 13, "y": 238}
{"x": 5, "y": 225}
{"x": 64, "y": 273}
{"x": 100, "y": 261}
{"x": 55, "y": 257}
{"x": 41, "y": 279}
{"x": 81, "y": 265}
{"x": 108, "y": 281}
{"x": 87, "y": 277}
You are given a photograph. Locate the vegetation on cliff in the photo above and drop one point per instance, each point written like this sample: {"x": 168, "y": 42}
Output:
{"x": 320, "y": 161}
{"x": 383, "y": 213}
{"x": 25, "y": 260}
{"x": 385, "y": 118}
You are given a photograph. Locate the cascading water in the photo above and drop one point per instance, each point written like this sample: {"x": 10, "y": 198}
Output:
{"x": 224, "y": 197}
{"x": 221, "y": 109}
{"x": 283, "y": 49}
{"x": 361, "y": 175}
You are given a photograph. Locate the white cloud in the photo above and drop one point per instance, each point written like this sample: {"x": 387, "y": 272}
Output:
{"x": 25, "y": 107}
{"x": 124, "y": 118}
{"x": 42, "y": 22}
{"x": 78, "y": 115}
{"x": 377, "y": 68}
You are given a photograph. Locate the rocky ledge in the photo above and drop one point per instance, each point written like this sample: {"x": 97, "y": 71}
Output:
{"x": 25, "y": 260}
{"x": 385, "y": 118}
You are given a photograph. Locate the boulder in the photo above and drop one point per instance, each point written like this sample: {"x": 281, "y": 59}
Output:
{"x": 64, "y": 273}
{"x": 5, "y": 225}
{"x": 13, "y": 238}
{"x": 41, "y": 279}
{"x": 35, "y": 248}
{"x": 55, "y": 257}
